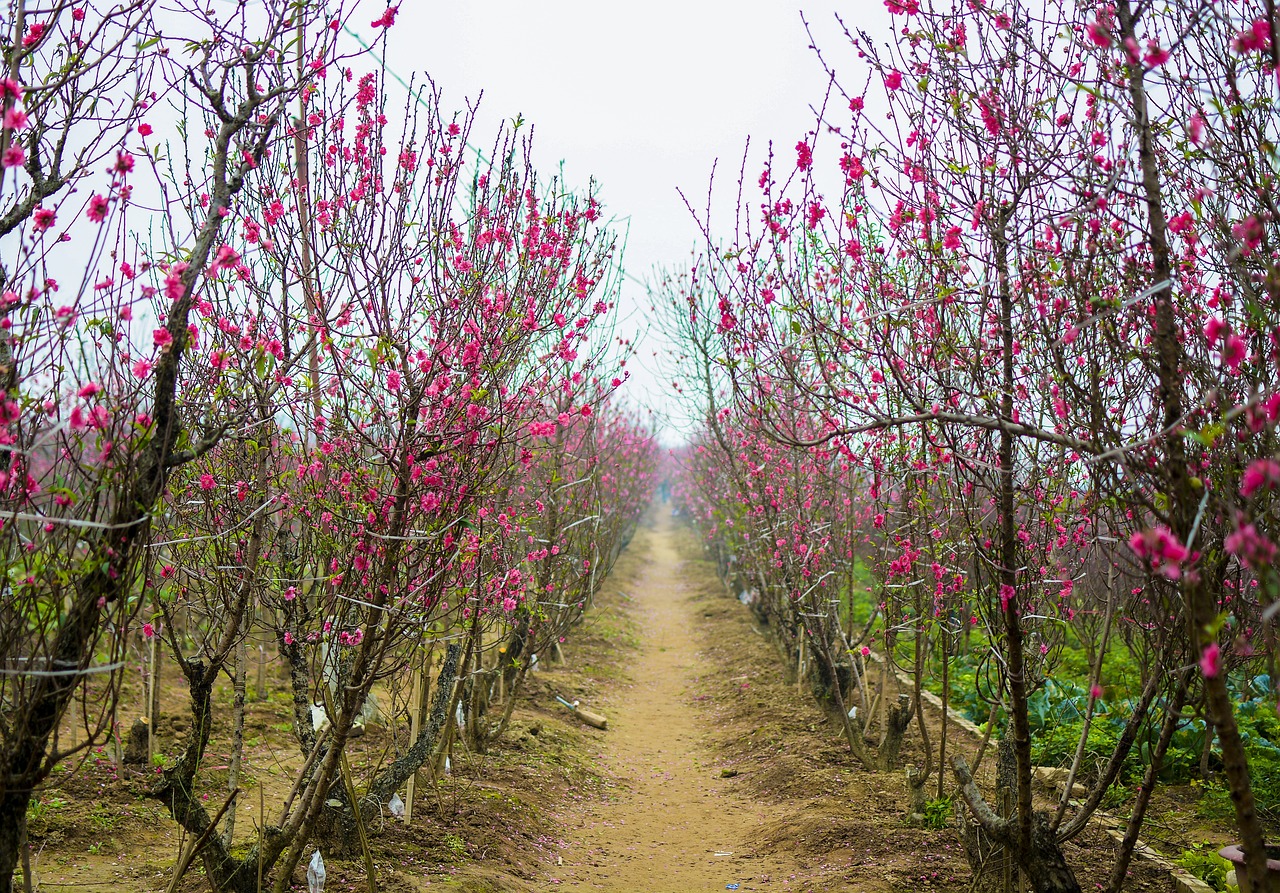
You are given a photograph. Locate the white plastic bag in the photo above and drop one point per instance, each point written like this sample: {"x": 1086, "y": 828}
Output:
{"x": 315, "y": 873}
{"x": 395, "y": 806}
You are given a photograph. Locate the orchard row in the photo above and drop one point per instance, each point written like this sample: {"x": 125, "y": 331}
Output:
{"x": 999, "y": 342}
{"x": 285, "y": 356}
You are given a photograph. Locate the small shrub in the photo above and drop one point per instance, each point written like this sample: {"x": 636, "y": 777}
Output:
{"x": 1213, "y": 801}
{"x": 937, "y": 813}
{"x": 1203, "y": 861}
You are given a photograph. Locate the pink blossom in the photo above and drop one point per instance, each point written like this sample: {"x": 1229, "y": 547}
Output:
{"x": 388, "y": 18}
{"x": 1164, "y": 551}
{"x": 173, "y": 285}
{"x": 14, "y": 156}
{"x": 161, "y": 337}
{"x": 144, "y": 129}
{"x": 35, "y": 33}
{"x": 866, "y": 652}
{"x": 1211, "y": 660}
{"x": 1095, "y": 691}
{"x": 15, "y": 119}
{"x": 148, "y": 630}
{"x": 393, "y": 381}
{"x": 89, "y": 390}
{"x": 893, "y": 80}
{"x": 1256, "y": 37}
{"x": 1195, "y": 129}
{"x": 1234, "y": 351}
{"x": 288, "y": 638}
{"x": 804, "y": 156}
{"x": 1250, "y": 546}
{"x": 44, "y": 218}
{"x": 1007, "y": 594}
{"x": 1260, "y": 473}
{"x": 207, "y": 482}
{"x": 1214, "y": 329}
{"x": 97, "y": 211}
{"x": 1098, "y": 34}
{"x": 1155, "y": 55}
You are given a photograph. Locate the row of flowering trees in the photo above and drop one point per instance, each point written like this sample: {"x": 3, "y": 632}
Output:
{"x": 275, "y": 362}
{"x": 1026, "y": 323}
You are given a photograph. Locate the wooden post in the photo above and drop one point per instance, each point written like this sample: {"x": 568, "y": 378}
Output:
{"x": 417, "y": 700}
{"x": 800, "y": 662}
{"x": 153, "y": 696}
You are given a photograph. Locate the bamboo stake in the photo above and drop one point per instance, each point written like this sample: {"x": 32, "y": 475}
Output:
{"x": 421, "y": 683}
{"x": 370, "y": 873}
{"x": 184, "y": 861}
{"x": 153, "y": 696}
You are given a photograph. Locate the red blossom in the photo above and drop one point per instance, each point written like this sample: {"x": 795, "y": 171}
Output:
{"x": 387, "y": 19}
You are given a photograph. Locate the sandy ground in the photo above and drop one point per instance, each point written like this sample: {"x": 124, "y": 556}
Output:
{"x": 673, "y": 824}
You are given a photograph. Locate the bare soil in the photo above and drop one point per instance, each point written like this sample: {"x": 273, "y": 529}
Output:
{"x": 714, "y": 771}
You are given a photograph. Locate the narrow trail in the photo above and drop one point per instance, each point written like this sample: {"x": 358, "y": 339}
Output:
{"x": 672, "y": 827}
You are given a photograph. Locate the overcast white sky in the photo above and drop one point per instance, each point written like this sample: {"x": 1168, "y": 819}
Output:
{"x": 643, "y": 96}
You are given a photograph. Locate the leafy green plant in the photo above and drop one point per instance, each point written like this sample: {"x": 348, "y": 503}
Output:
{"x": 41, "y": 809}
{"x": 1203, "y": 861}
{"x": 1214, "y": 801}
{"x": 937, "y": 813}
{"x": 455, "y": 844}
{"x": 103, "y": 818}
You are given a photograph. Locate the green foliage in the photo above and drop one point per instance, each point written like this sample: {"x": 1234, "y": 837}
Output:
{"x": 1056, "y": 746}
{"x": 937, "y": 813}
{"x": 103, "y": 818}
{"x": 40, "y": 811}
{"x": 1214, "y": 801}
{"x": 1203, "y": 861}
{"x": 455, "y": 844}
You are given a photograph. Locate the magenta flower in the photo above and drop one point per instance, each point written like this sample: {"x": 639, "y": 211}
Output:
{"x": 893, "y": 80}
{"x": 1234, "y": 351}
{"x": 804, "y": 156}
{"x": 1260, "y": 473}
{"x": 97, "y": 211}
{"x": 388, "y": 18}
{"x": 15, "y": 119}
{"x": 1250, "y": 546}
{"x": 1164, "y": 551}
{"x": 1211, "y": 660}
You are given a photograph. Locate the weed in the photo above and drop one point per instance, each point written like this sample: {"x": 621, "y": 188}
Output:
{"x": 455, "y": 844}
{"x": 102, "y": 818}
{"x": 41, "y": 809}
{"x": 937, "y": 813}
{"x": 1203, "y": 861}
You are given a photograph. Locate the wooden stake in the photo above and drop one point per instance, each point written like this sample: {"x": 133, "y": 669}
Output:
{"x": 153, "y": 697}
{"x": 421, "y": 682}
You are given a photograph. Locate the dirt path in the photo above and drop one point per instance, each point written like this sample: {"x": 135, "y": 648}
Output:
{"x": 673, "y": 827}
